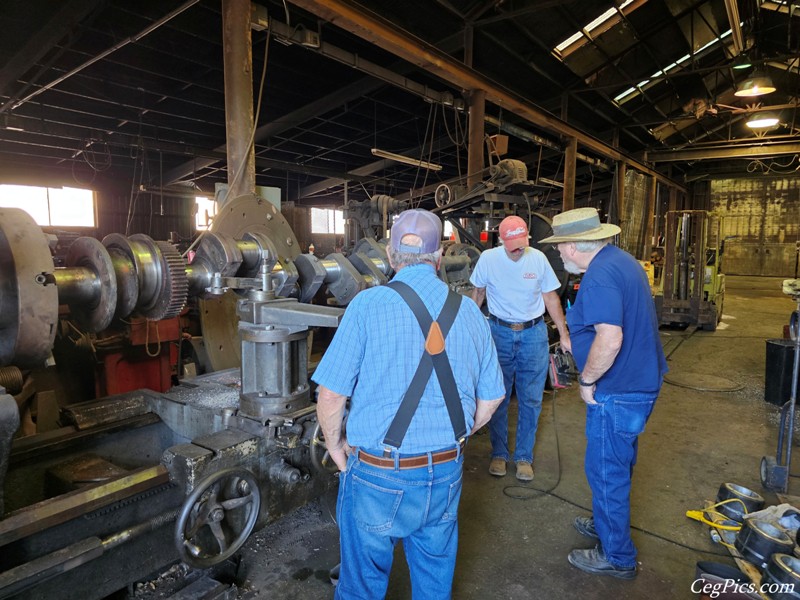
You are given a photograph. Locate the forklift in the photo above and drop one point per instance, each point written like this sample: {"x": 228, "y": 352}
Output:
{"x": 692, "y": 284}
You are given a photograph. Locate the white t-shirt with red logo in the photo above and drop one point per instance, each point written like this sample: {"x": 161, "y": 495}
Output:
{"x": 514, "y": 288}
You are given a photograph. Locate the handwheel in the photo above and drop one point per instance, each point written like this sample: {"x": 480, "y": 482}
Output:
{"x": 217, "y": 517}
{"x": 320, "y": 457}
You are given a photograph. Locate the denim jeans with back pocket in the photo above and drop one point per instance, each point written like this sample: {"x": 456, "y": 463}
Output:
{"x": 378, "y": 507}
{"x": 613, "y": 426}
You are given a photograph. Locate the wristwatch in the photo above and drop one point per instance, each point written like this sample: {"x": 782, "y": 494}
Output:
{"x": 585, "y": 383}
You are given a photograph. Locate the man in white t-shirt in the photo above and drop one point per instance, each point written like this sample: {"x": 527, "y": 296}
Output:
{"x": 519, "y": 284}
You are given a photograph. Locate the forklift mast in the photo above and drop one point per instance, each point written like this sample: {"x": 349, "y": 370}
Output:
{"x": 693, "y": 287}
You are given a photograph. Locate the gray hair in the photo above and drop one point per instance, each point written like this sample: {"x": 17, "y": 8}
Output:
{"x": 407, "y": 259}
{"x": 591, "y": 245}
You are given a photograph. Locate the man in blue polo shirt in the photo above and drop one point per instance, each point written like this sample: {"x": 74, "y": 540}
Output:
{"x": 617, "y": 349}
{"x": 518, "y": 283}
{"x": 416, "y": 394}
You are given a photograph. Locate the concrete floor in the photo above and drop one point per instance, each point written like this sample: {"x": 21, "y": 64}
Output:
{"x": 514, "y": 539}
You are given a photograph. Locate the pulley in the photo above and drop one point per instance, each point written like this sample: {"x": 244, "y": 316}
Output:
{"x": 758, "y": 540}
{"x": 781, "y": 579}
{"x": 742, "y": 501}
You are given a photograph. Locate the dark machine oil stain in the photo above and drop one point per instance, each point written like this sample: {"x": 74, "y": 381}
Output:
{"x": 323, "y": 575}
{"x": 302, "y": 574}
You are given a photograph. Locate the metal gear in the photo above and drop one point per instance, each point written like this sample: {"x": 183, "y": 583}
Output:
{"x": 175, "y": 293}
{"x": 163, "y": 285}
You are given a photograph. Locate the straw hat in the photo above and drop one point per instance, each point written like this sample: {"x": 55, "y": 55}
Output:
{"x": 579, "y": 225}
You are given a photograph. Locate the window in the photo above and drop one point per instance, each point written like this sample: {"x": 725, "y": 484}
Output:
{"x": 447, "y": 230}
{"x": 600, "y": 25}
{"x": 658, "y": 75}
{"x": 206, "y": 210}
{"x": 61, "y": 207}
{"x": 326, "y": 220}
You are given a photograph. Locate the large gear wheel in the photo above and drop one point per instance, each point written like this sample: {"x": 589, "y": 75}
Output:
{"x": 162, "y": 277}
{"x": 175, "y": 293}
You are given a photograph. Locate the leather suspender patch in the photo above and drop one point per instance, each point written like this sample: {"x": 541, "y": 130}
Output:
{"x": 434, "y": 343}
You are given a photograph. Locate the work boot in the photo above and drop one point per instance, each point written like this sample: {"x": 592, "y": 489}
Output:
{"x": 334, "y": 574}
{"x": 524, "y": 471}
{"x": 585, "y": 526}
{"x": 497, "y": 467}
{"x": 594, "y": 561}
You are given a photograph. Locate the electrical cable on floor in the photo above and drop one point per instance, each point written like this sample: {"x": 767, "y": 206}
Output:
{"x": 699, "y": 388}
{"x": 682, "y": 339}
{"x": 535, "y": 492}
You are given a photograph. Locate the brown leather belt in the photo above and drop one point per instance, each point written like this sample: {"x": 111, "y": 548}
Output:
{"x": 411, "y": 462}
{"x": 515, "y": 326}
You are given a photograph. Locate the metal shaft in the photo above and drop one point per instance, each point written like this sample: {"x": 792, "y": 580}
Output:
{"x": 77, "y": 284}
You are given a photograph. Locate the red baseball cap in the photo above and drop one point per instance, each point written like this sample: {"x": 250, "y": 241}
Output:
{"x": 514, "y": 233}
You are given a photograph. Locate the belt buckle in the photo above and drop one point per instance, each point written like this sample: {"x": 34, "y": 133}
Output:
{"x": 517, "y": 326}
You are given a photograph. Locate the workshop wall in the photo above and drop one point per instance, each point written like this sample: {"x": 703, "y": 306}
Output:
{"x": 150, "y": 213}
{"x": 760, "y": 224}
{"x": 117, "y": 208}
{"x": 634, "y": 213}
{"x": 299, "y": 218}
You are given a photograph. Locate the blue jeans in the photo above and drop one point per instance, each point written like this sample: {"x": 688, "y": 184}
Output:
{"x": 377, "y": 507}
{"x": 612, "y": 429}
{"x": 523, "y": 356}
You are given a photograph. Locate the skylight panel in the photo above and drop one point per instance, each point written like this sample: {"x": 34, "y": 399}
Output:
{"x": 611, "y": 17}
{"x": 630, "y": 92}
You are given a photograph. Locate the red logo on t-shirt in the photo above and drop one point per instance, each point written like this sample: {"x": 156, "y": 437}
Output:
{"x": 529, "y": 275}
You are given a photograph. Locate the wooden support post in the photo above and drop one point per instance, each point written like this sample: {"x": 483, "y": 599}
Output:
{"x": 477, "y": 109}
{"x": 649, "y": 212}
{"x": 570, "y": 158}
{"x": 619, "y": 189}
{"x": 238, "y": 60}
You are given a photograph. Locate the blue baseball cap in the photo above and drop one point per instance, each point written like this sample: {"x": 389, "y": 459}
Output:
{"x": 421, "y": 223}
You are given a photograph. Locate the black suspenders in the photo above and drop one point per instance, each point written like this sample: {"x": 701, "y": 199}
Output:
{"x": 428, "y": 362}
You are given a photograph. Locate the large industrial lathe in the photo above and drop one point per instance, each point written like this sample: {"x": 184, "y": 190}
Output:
{"x": 133, "y": 482}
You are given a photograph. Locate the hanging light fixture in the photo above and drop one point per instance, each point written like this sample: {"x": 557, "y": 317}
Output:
{"x": 742, "y": 62}
{"x": 762, "y": 120}
{"x": 758, "y": 84}
{"x": 407, "y": 160}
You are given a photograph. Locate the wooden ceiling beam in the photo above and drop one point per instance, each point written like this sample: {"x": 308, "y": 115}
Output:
{"x": 389, "y": 37}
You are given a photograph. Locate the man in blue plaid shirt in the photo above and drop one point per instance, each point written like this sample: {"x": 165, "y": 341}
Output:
{"x": 409, "y": 491}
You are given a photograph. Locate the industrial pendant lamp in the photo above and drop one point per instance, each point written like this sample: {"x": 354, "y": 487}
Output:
{"x": 742, "y": 62}
{"x": 762, "y": 120}
{"x": 406, "y": 160}
{"x": 758, "y": 84}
